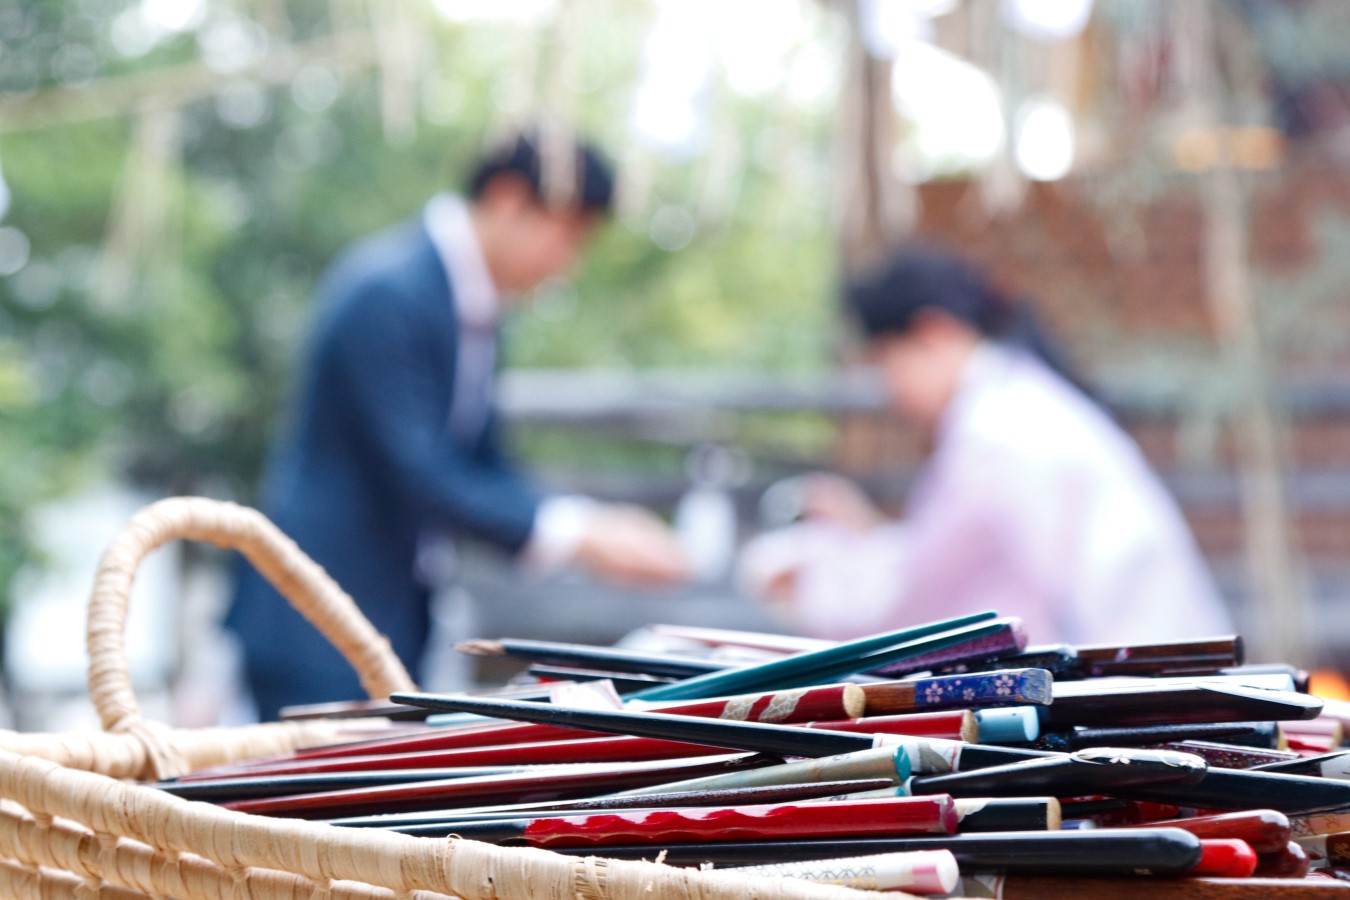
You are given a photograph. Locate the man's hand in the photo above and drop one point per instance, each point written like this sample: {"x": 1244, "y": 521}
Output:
{"x": 631, "y": 546}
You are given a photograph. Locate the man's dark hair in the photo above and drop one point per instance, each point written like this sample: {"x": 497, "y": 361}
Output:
{"x": 592, "y": 187}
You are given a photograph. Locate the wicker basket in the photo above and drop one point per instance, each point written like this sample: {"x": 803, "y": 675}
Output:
{"x": 70, "y": 828}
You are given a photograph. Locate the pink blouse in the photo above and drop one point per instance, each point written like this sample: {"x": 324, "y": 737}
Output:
{"x": 1034, "y": 504}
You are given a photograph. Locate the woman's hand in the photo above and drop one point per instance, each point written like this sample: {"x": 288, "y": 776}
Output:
{"x": 832, "y": 498}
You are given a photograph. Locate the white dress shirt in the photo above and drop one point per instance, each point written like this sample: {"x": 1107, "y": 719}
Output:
{"x": 1035, "y": 504}
{"x": 561, "y": 521}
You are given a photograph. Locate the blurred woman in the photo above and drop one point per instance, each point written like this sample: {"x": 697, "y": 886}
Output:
{"x": 1033, "y": 502}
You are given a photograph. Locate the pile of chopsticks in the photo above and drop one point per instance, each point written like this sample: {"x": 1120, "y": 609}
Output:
{"x": 947, "y": 759}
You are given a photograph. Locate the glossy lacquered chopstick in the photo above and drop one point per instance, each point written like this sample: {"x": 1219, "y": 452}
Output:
{"x": 1158, "y": 851}
{"x": 539, "y": 783}
{"x": 1265, "y": 830}
{"x": 764, "y": 738}
{"x": 825, "y": 665}
{"x": 1173, "y": 704}
{"x": 845, "y": 818}
{"x": 1335, "y": 764}
{"x": 604, "y": 748}
{"x": 985, "y": 814}
{"x": 1077, "y": 738}
{"x": 837, "y": 701}
{"x": 980, "y": 689}
{"x": 1095, "y": 771}
{"x": 587, "y": 656}
{"x": 744, "y": 796}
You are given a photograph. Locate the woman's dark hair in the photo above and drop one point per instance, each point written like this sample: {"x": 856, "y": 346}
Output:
{"x": 886, "y": 299}
{"x": 592, "y": 189}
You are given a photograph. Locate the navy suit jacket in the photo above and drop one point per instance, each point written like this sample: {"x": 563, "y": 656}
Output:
{"x": 368, "y": 463}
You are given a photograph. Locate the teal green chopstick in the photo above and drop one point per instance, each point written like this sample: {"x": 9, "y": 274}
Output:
{"x": 835, "y": 660}
{"x": 878, "y": 658}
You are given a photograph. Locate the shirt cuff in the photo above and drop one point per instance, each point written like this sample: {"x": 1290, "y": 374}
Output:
{"x": 559, "y": 527}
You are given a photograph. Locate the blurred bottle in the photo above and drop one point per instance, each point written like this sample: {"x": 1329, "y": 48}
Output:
{"x": 705, "y": 517}
{"x": 783, "y": 503}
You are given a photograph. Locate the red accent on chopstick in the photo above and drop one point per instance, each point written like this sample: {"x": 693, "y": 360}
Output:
{"x": 1310, "y": 744}
{"x": 1313, "y": 736}
{"x": 834, "y": 701}
{"x": 831, "y": 701}
{"x": 1325, "y": 726}
{"x": 1134, "y": 812}
{"x": 953, "y": 725}
{"x": 612, "y": 748}
{"x": 1290, "y": 861}
{"x": 1264, "y": 830}
{"x": 526, "y": 787}
{"x": 856, "y": 818}
{"x": 1225, "y": 858}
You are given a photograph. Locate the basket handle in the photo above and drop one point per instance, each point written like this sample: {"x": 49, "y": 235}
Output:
{"x": 299, "y": 579}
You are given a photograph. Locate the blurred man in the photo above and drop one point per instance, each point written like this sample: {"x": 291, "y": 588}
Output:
{"x": 394, "y": 433}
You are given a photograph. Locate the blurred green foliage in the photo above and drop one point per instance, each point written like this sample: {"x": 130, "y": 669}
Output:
{"x": 150, "y": 329}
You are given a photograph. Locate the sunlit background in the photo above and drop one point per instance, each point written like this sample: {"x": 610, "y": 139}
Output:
{"x": 1166, "y": 180}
